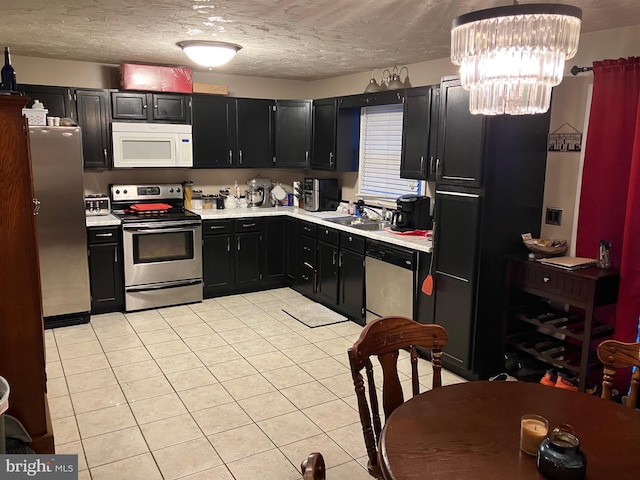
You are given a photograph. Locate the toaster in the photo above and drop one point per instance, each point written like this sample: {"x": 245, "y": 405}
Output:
{"x": 97, "y": 204}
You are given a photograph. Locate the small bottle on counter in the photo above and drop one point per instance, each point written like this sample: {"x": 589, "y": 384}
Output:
{"x": 351, "y": 209}
{"x": 188, "y": 195}
{"x": 196, "y": 199}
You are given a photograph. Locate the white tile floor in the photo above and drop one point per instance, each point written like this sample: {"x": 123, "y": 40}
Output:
{"x": 231, "y": 388}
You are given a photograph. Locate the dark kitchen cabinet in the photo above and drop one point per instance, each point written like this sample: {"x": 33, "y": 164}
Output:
{"x": 291, "y": 250}
{"x": 57, "y": 100}
{"x": 106, "y": 274}
{"x": 293, "y": 133}
{"x": 336, "y": 136}
{"x": 351, "y": 277}
{"x": 151, "y": 107}
{"x": 457, "y": 239}
{"x": 254, "y": 127}
{"x": 214, "y": 131}
{"x": 92, "y": 107}
{"x": 249, "y": 251}
{"x": 218, "y": 257}
{"x": 489, "y": 191}
{"x": 275, "y": 246}
{"x": 327, "y": 265}
{"x": 385, "y": 97}
{"x": 419, "y": 133}
{"x": 461, "y": 138}
{"x": 307, "y": 256}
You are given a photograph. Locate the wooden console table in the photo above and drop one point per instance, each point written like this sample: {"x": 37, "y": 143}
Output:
{"x": 549, "y": 334}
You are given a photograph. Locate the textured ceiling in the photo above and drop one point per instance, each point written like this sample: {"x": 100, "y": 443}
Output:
{"x": 281, "y": 38}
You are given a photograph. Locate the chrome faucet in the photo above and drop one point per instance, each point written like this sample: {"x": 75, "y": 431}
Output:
{"x": 377, "y": 214}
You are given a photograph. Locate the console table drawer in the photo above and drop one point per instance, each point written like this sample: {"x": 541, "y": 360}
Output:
{"x": 553, "y": 281}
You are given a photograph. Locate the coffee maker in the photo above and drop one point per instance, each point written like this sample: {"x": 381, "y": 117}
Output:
{"x": 413, "y": 213}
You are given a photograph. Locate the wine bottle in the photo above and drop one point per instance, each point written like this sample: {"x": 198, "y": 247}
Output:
{"x": 8, "y": 74}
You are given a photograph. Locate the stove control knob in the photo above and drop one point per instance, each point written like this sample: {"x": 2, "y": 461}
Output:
{"x": 177, "y": 190}
{"x": 125, "y": 191}
{"x": 118, "y": 191}
{"x": 171, "y": 190}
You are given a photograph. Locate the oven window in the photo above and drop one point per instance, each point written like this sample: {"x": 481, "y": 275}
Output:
{"x": 147, "y": 149}
{"x": 162, "y": 247}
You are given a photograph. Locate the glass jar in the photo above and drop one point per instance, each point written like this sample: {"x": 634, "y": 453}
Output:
{"x": 207, "y": 201}
{"x": 196, "y": 199}
{"x": 559, "y": 456}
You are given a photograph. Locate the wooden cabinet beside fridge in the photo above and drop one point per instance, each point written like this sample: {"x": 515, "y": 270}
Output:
{"x": 22, "y": 349}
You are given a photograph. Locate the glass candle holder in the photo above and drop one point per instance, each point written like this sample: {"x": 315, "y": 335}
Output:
{"x": 533, "y": 430}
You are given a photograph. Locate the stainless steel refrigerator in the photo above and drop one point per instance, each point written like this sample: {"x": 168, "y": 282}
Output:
{"x": 56, "y": 158}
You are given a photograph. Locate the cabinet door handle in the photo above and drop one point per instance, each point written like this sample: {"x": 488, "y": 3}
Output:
{"x": 331, "y": 159}
{"x": 438, "y": 173}
{"x": 104, "y": 234}
{"x": 144, "y": 106}
{"x": 230, "y": 157}
{"x": 228, "y": 244}
{"x": 247, "y": 225}
{"x": 36, "y": 206}
{"x": 333, "y": 259}
{"x": 430, "y": 165}
{"x": 238, "y": 242}
{"x": 240, "y": 154}
{"x": 306, "y": 249}
{"x": 340, "y": 260}
{"x": 421, "y": 164}
{"x": 306, "y": 157}
{"x": 115, "y": 254}
{"x": 105, "y": 153}
{"x": 546, "y": 279}
{"x": 215, "y": 227}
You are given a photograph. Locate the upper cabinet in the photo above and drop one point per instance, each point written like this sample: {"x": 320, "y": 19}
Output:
{"x": 336, "y": 136}
{"x": 254, "y": 127}
{"x": 92, "y": 110}
{"x": 151, "y": 107}
{"x": 419, "y": 133}
{"x": 57, "y": 100}
{"x": 460, "y": 149}
{"x": 385, "y": 97}
{"x": 293, "y": 133}
{"x": 214, "y": 131}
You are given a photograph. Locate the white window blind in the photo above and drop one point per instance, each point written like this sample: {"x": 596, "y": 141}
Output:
{"x": 380, "y": 150}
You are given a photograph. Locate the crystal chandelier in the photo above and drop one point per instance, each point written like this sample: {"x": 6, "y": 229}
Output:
{"x": 510, "y": 57}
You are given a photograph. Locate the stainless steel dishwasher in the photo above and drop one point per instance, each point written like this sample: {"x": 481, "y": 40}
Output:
{"x": 389, "y": 272}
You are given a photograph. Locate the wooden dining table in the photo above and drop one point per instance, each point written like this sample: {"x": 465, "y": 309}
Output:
{"x": 471, "y": 431}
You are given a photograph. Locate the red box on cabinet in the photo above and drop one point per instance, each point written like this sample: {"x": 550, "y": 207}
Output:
{"x": 155, "y": 78}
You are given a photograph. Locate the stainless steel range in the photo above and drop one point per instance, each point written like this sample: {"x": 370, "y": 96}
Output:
{"x": 162, "y": 246}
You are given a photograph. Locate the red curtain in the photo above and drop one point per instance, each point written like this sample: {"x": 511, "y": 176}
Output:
{"x": 610, "y": 195}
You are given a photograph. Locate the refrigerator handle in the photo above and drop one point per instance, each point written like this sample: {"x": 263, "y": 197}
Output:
{"x": 36, "y": 206}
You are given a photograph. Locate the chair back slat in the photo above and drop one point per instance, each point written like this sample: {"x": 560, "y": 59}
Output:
{"x": 614, "y": 355}
{"x": 384, "y": 338}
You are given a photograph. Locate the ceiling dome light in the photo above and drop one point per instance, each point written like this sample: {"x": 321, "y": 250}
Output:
{"x": 510, "y": 57}
{"x": 208, "y": 53}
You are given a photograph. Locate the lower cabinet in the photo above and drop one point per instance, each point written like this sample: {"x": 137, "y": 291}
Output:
{"x": 327, "y": 265}
{"x": 307, "y": 268}
{"x": 106, "y": 272}
{"x": 351, "y": 277}
{"x": 245, "y": 254}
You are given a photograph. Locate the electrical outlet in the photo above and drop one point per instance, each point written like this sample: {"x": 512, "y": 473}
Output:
{"x": 553, "y": 216}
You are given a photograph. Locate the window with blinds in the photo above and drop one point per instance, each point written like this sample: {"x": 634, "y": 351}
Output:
{"x": 380, "y": 150}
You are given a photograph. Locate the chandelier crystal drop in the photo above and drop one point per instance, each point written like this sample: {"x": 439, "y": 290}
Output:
{"x": 511, "y": 57}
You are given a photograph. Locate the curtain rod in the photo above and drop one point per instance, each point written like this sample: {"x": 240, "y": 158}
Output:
{"x": 575, "y": 70}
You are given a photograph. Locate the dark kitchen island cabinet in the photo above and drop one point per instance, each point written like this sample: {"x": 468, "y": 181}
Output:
{"x": 151, "y": 107}
{"x": 106, "y": 274}
{"x": 489, "y": 191}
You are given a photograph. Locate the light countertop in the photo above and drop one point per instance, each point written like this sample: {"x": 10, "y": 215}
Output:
{"x": 422, "y": 244}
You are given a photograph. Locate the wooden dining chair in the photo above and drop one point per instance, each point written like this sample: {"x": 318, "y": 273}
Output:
{"x": 384, "y": 338}
{"x": 313, "y": 467}
{"x": 614, "y": 354}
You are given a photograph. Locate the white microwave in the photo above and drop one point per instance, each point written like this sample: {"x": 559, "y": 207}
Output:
{"x": 152, "y": 145}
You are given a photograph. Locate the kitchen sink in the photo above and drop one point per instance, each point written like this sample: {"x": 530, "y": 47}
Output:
{"x": 359, "y": 223}
{"x": 372, "y": 225}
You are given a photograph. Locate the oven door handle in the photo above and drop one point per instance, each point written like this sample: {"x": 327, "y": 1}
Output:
{"x": 164, "y": 226}
{"x": 164, "y": 285}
